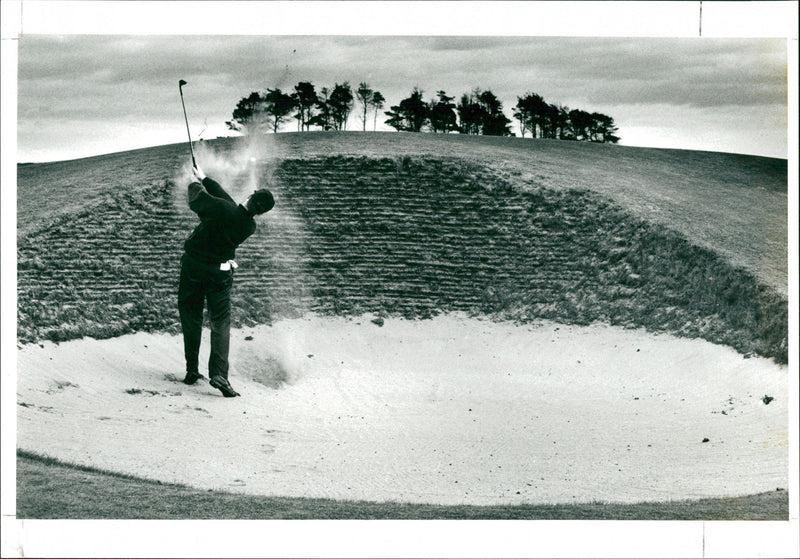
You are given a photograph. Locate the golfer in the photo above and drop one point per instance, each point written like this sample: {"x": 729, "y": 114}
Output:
{"x": 207, "y": 269}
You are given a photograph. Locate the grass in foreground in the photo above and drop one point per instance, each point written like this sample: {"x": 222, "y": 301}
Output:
{"x": 50, "y": 489}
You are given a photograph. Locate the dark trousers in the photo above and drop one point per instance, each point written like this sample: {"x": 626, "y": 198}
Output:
{"x": 200, "y": 283}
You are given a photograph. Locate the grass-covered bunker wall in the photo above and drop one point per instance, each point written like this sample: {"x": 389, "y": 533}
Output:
{"x": 404, "y": 236}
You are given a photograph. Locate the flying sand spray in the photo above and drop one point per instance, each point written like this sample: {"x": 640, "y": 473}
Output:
{"x": 248, "y": 166}
{"x": 248, "y": 163}
{"x": 229, "y": 168}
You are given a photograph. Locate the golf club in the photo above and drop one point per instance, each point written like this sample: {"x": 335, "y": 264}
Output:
{"x": 181, "y": 83}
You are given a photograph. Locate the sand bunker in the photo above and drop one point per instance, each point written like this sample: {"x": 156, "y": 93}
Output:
{"x": 450, "y": 410}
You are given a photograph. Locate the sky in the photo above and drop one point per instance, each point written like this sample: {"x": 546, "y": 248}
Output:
{"x": 86, "y": 93}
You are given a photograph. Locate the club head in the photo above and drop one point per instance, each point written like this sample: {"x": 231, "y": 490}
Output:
{"x": 181, "y": 83}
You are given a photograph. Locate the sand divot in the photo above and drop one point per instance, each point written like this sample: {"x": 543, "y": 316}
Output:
{"x": 450, "y": 410}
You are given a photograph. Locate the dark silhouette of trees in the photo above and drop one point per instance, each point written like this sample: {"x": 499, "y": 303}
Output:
{"x": 340, "y": 103}
{"x": 410, "y": 115}
{"x": 248, "y": 116}
{"x": 333, "y": 107}
{"x": 561, "y": 124}
{"x": 376, "y": 103}
{"x": 523, "y": 112}
{"x": 364, "y": 94}
{"x": 580, "y": 124}
{"x": 277, "y": 106}
{"x": 306, "y": 99}
{"x": 478, "y": 112}
{"x": 323, "y": 118}
{"x": 543, "y": 120}
{"x": 260, "y": 112}
{"x": 603, "y": 129}
{"x": 470, "y": 113}
{"x": 442, "y": 114}
{"x": 495, "y": 123}
{"x": 537, "y": 116}
{"x": 481, "y": 112}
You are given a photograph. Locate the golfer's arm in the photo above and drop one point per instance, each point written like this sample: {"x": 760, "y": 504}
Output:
{"x": 202, "y": 203}
{"x": 215, "y": 189}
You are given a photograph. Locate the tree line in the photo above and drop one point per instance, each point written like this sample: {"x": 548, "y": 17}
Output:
{"x": 329, "y": 109}
{"x": 477, "y": 112}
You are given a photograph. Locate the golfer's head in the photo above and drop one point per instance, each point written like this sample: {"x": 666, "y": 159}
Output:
{"x": 260, "y": 202}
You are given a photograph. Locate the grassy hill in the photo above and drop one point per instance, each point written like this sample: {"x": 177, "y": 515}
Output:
{"x": 691, "y": 243}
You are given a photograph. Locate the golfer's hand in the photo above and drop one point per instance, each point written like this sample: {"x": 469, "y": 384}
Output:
{"x": 198, "y": 174}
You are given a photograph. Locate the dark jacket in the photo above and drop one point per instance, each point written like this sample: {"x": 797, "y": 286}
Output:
{"x": 224, "y": 224}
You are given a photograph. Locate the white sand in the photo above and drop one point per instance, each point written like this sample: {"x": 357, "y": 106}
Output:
{"x": 450, "y": 410}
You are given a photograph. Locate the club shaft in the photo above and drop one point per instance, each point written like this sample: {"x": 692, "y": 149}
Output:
{"x": 194, "y": 163}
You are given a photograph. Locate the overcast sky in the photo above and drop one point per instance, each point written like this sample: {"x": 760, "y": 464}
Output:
{"x": 81, "y": 95}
